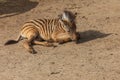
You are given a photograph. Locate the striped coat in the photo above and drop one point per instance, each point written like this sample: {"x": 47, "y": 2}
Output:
{"x": 46, "y": 31}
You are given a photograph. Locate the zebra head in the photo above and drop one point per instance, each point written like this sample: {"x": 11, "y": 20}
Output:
{"x": 68, "y": 19}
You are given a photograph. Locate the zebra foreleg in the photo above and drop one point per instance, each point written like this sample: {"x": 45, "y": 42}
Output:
{"x": 62, "y": 38}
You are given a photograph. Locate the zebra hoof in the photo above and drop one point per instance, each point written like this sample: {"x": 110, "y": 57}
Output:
{"x": 77, "y": 42}
{"x": 32, "y": 52}
{"x": 61, "y": 42}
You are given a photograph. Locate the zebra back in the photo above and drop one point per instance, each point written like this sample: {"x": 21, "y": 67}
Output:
{"x": 46, "y": 27}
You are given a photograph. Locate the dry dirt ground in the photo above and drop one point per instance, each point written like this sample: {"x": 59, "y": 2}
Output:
{"x": 96, "y": 57}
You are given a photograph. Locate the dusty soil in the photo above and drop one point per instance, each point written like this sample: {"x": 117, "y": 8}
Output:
{"x": 96, "y": 57}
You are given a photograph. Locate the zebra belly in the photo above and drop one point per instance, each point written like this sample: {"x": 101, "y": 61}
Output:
{"x": 45, "y": 37}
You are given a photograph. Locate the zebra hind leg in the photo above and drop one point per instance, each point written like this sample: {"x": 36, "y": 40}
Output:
{"x": 28, "y": 45}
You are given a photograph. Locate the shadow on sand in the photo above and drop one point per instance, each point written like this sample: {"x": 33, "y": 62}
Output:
{"x": 91, "y": 35}
{"x": 14, "y": 7}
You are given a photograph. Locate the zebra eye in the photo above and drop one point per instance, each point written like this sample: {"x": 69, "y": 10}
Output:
{"x": 60, "y": 16}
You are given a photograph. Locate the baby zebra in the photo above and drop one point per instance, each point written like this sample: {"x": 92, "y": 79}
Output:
{"x": 46, "y": 31}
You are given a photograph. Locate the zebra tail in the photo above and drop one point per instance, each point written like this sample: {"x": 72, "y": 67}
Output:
{"x": 13, "y": 41}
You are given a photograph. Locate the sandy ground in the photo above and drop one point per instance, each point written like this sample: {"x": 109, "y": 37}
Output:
{"x": 96, "y": 57}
